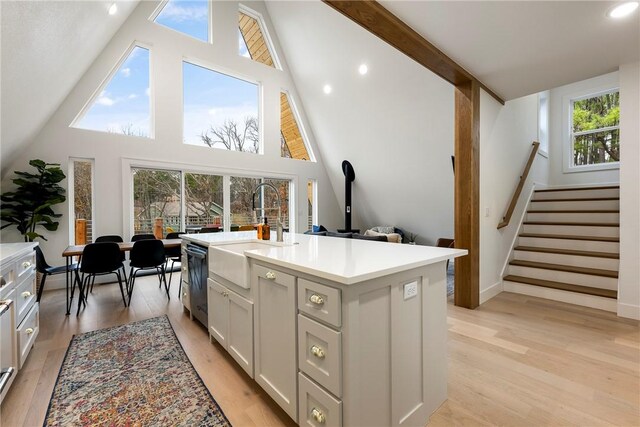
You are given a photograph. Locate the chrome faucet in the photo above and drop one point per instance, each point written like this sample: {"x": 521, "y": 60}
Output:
{"x": 279, "y": 220}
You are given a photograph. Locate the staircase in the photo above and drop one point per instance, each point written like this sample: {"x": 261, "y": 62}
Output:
{"x": 568, "y": 247}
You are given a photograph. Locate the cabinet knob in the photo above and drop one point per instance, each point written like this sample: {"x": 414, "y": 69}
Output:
{"x": 317, "y": 351}
{"x": 271, "y": 275}
{"x": 28, "y": 331}
{"x": 26, "y": 294}
{"x": 26, "y": 264}
{"x": 316, "y": 299}
{"x": 318, "y": 415}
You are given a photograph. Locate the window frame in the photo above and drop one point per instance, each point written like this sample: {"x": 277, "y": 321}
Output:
{"x": 303, "y": 132}
{"x": 72, "y": 200}
{"x": 105, "y": 82}
{"x": 160, "y": 8}
{"x": 265, "y": 35}
{"x": 544, "y": 99}
{"x": 233, "y": 74}
{"x": 127, "y": 188}
{"x": 568, "y": 134}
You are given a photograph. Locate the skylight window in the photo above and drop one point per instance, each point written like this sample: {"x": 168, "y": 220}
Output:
{"x": 254, "y": 42}
{"x": 123, "y": 104}
{"x": 220, "y": 111}
{"x": 190, "y": 17}
{"x": 292, "y": 144}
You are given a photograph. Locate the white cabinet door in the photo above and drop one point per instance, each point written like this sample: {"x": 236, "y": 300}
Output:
{"x": 275, "y": 336}
{"x": 240, "y": 331}
{"x": 218, "y": 312}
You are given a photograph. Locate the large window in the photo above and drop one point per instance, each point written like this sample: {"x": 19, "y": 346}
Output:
{"x": 595, "y": 130}
{"x": 220, "y": 111}
{"x": 156, "y": 201}
{"x": 312, "y": 208}
{"x": 253, "y": 41}
{"x": 167, "y": 200}
{"x": 292, "y": 143}
{"x": 123, "y": 105}
{"x": 82, "y": 217}
{"x": 190, "y": 17}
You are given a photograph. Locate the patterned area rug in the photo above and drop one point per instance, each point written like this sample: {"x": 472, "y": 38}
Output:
{"x": 135, "y": 374}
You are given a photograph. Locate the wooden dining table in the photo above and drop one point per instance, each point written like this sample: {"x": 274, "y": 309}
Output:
{"x": 76, "y": 250}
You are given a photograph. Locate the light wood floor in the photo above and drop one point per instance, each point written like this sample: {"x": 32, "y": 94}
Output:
{"x": 515, "y": 361}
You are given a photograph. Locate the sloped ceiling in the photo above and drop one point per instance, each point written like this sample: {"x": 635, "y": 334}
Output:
{"x": 517, "y": 48}
{"x": 46, "y": 47}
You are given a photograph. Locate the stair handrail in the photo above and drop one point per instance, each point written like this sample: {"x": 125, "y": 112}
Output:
{"x": 516, "y": 194}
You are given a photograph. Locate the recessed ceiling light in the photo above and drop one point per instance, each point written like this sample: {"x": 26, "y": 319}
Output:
{"x": 623, "y": 9}
{"x": 327, "y": 89}
{"x": 363, "y": 69}
{"x": 113, "y": 9}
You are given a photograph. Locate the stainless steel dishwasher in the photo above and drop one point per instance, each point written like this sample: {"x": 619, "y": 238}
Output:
{"x": 198, "y": 270}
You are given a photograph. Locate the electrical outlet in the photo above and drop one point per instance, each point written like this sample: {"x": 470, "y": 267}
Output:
{"x": 410, "y": 290}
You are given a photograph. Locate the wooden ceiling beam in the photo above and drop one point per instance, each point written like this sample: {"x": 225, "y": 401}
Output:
{"x": 372, "y": 16}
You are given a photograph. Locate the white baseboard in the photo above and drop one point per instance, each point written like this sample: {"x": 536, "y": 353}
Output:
{"x": 629, "y": 311}
{"x": 490, "y": 292}
{"x": 601, "y": 303}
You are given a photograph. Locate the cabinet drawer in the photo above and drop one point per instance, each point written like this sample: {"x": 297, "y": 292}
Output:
{"x": 25, "y": 264}
{"x": 25, "y": 296}
{"x": 320, "y": 301}
{"x": 320, "y": 353}
{"x": 7, "y": 279}
{"x": 317, "y": 407}
{"x": 272, "y": 275}
{"x": 27, "y": 333}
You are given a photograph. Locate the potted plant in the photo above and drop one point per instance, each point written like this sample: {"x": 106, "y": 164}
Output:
{"x": 31, "y": 204}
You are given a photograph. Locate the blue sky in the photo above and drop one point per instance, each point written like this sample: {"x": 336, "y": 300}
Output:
{"x": 210, "y": 97}
{"x": 124, "y": 102}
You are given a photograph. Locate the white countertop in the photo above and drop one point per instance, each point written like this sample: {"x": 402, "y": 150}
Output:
{"x": 10, "y": 251}
{"x": 345, "y": 261}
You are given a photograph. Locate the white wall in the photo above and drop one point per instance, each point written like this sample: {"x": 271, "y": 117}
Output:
{"x": 506, "y": 135}
{"x": 629, "y": 279}
{"x": 56, "y": 142}
{"x": 394, "y": 124}
{"x": 558, "y": 122}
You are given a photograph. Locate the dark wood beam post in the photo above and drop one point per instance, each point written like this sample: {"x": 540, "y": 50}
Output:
{"x": 467, "y": 193}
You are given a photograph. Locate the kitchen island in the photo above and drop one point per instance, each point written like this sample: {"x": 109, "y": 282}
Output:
{"x": 337, "y": 331}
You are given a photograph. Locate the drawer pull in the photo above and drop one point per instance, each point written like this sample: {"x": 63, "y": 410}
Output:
{"x": 316, "y": 299}
{"x": 271, "y": 275}
{"x": 26, "y": 264}
{"x": 317, "y": 415}
{"x": 26, "y": 294}
{"x": 28, "y": 331}
{"x": 317, "y": 351}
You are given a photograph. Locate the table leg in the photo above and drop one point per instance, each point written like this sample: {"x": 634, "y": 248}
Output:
{"x": 67, "y": 285}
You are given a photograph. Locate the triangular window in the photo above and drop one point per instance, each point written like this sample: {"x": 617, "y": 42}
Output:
{"x": 254, "y": 41}
{"x": 190, "y": 17}
{"x": 292, "y": 144}
{"x": 122, "y": 105}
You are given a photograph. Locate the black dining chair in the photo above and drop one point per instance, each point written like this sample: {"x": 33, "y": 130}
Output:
{"x": 146, "y": 255}
{"x": 117, "y": 239}
{"x": 210, "y": 229}
{"x": 137, "y": 237}
{"x": 174, "y": 255}
{"x": 99, "y": 259}
{"x": 46, "y": 270}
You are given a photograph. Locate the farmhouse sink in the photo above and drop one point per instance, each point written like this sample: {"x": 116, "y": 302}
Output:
{"x": 228, "y": 261}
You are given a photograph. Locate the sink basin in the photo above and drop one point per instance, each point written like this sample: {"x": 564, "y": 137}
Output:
{"x": 228, "y": 261}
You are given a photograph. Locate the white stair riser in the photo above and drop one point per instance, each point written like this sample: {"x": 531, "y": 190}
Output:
{"x": 574, "y": 217}
{"x": 572, "y": 230}
{"x": 565, "y": 277}
{"x": 579, "y": 245}
{"x": 577, "y": 194}
{"x": 608, "y": 304}
{"x": 572, "y": 260}
{"x": 575, "y": 205}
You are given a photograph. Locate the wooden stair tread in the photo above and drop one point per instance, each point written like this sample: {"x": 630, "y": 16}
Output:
{"x": 582, "y": 199}
{"x": 574, "y": 211}
{"x": 586, "y": 224}
{"x": 568, "y": 252}
{"x": 549, "y": 190}
{"x": 565, "y": 268}
{"x": 569, "y": 237}
{"x": 606, "y": 293}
